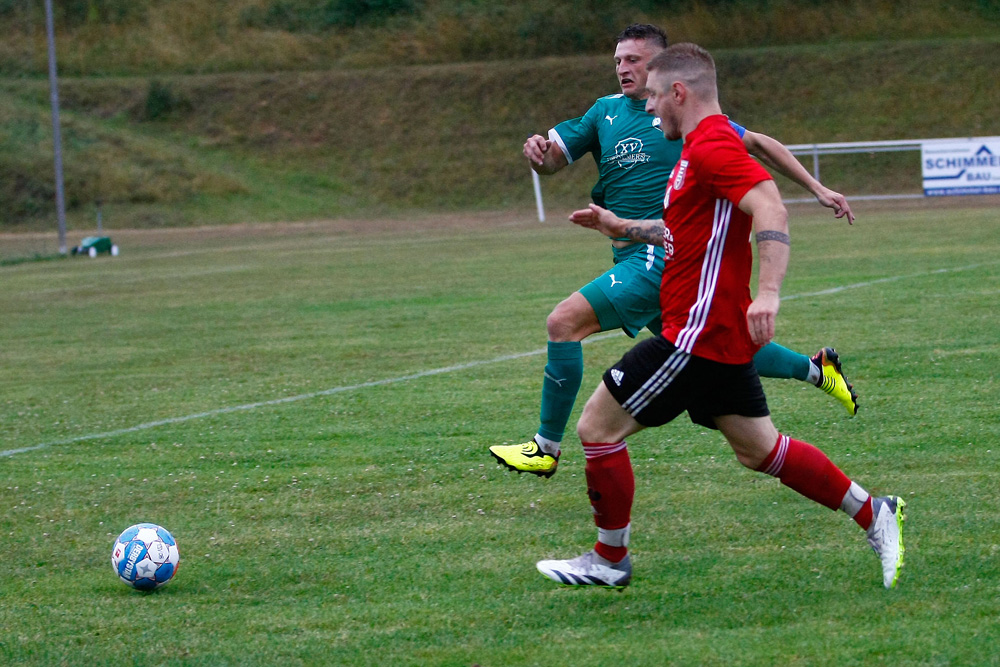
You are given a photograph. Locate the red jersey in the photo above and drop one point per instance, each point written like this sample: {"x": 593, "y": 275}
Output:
{"x": 705, "y": 291}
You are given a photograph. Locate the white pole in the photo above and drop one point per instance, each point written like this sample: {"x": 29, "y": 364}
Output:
{"x": 538, "y": 196}
{"x": 56, "y": 134}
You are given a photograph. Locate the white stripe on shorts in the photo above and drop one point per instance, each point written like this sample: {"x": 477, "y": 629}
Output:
{"x": 655, "y": 385}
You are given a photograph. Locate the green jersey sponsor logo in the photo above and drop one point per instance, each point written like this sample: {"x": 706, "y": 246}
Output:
{"x": 628, "y": 153}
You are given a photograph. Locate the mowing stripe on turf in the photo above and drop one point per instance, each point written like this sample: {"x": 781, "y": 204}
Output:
{"x": 428, "y": 373}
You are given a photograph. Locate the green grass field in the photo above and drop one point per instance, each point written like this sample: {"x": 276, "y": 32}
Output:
{"x": 307, "y": 408}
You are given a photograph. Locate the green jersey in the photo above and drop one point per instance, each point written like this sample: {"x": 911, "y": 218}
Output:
{"x": 633, "y": 158}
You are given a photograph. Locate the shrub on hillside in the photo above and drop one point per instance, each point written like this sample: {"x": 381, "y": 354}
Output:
{"x": 24, "y": 194}
{"x": 72, "y": 13}
{"x": 319, "y": 15}
{"x": 101, "y": 11}
{"x": 161, "y": 101}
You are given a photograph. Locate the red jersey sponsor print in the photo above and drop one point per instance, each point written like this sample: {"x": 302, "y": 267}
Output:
{"x": 705, "y": 291}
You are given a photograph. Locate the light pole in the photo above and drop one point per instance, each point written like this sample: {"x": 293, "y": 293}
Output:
{"x": 56, "y": 133}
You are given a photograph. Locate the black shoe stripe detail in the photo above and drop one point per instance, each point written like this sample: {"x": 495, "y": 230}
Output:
{"x": 571, "y": 579}
{"x": 563, "y": 577}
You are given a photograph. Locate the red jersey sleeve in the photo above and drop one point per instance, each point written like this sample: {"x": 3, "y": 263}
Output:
{"x": 733, "y": 173}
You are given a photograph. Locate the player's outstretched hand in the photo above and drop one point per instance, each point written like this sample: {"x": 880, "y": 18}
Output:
{"x": 837, "y": 202}
{"x": 760, "y": 318}
{"x": 535, "y": 148}
{"x": 595, "y": 217}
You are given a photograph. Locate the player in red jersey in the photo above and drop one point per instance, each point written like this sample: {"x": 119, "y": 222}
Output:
{"x": 702, "y": 361}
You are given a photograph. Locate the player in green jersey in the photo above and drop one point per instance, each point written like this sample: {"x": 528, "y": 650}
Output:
{"x": 634, "y": 163}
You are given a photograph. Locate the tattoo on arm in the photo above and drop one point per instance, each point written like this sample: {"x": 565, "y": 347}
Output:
{"x": 646, "y": 232}
{"x": 770, "y": 235}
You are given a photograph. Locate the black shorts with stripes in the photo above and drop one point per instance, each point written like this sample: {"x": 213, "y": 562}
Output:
{"x": 655, "y": 382}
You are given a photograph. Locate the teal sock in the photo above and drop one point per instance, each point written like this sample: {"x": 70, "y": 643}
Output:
{"x": 563, "y": 375}
{"x": 775, "y": 361}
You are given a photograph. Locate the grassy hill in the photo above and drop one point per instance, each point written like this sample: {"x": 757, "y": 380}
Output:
{"x": 120, "y": 37}
{"x": 215, "y": 148}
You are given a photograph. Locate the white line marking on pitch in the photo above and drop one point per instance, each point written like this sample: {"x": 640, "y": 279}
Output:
{"x": 428, "y": 373}
{"x": 289, "y": 399}
{"x": 892, "y": 279}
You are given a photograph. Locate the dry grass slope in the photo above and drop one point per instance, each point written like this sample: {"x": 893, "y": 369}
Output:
{"x": 191, "y": 36}
{"x": 300, "y": 145}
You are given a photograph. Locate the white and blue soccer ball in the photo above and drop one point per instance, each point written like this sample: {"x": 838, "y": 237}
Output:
{"x": 145, "y": 556}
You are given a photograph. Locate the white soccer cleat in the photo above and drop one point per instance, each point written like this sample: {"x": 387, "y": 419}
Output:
{"x": 588, "y": 570}
{"x": 885, "y": 536}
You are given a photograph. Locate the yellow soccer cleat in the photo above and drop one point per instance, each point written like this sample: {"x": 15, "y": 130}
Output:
{"x": 834, "y": 381}
{"x": 526, "y": 457}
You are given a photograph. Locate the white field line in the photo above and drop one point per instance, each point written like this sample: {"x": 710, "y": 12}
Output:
{"x": 291, "y": 399}
{"x": 428, "y": 373}
{"x": 891, "y": 279}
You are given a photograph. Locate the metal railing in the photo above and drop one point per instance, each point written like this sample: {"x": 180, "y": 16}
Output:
{"x": 857, "y": 147}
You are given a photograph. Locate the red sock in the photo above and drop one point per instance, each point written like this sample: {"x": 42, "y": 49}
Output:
{"x": 864, "y": 515}
{"x": 804, "y": 468}
{"x": 611, "y": 488}
{"x": 857, "y": 504}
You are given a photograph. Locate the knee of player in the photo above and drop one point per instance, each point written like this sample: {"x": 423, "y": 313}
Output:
{"x": 560, "y": 325}
{"x": 746, "y": 459}
{"x": 587, "y": 427}
{"x": 749, "y": 451}
{"x": 751, "y": 438}
{"x": 583, "y": 429}
{"x": 572, "y": 320}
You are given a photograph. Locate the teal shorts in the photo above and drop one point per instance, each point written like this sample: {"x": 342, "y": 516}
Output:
{"x": 627, "y": 296}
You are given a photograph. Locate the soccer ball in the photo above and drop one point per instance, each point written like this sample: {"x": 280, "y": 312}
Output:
{"x": 145, "y": 556}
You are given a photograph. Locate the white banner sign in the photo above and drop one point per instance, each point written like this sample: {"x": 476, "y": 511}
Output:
{"x": 961, "y": 166}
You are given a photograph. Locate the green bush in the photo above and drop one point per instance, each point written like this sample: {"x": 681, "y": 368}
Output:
{"x": 990, "y": 9}
{"x": 313, "y": 16}
{"x": 351, "y": 13}
{"x": 73, "y": 13}
{"x": 79, "y": 12}
{"x": 161, "y": 101}
{"x": 24, "y": 193}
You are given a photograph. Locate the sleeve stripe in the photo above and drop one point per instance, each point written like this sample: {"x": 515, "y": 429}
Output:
{"x": 554, "y": 136}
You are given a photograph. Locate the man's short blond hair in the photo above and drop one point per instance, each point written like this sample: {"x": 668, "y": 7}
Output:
{"x": 691, "y": 64}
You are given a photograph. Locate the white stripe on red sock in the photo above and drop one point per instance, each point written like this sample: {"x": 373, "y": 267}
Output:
{"x": 593, "y": 450}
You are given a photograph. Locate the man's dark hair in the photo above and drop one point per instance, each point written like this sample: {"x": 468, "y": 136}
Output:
{"x": 643, "y": 31}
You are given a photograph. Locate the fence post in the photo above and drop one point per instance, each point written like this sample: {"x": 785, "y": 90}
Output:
{"x": 538, "y": 196}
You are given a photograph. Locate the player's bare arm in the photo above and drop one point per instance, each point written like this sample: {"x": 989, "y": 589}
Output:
{"x": 544, "y": 155}
{"x": 770, "y": 222}
{"x": 609, "y": 224}
{"x": 775, "y": 155}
